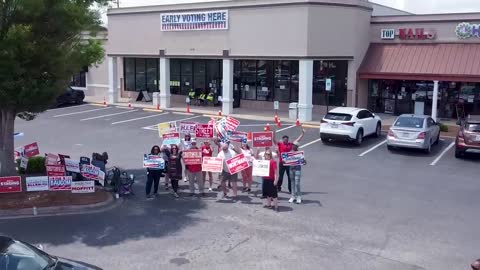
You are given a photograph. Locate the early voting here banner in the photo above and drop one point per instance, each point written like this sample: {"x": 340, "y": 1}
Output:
{"x": 293, "y": 158}
{"x": 194, "y": 21}
{"x": 262, "y": 139}
{"x": 58, "y": 183}
{"x": 192, "y": 157}
{"x": 212, "y": 164}
{"x": 237, "y": 164}
{"x": 10, "y": 184}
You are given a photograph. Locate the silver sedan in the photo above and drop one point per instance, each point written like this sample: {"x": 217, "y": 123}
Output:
{"x": 413, "y": 131}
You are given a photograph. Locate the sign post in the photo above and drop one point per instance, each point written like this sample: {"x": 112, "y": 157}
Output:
{"x": 328, "y": 89}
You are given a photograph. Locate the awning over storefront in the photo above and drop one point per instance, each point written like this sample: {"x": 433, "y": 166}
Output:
{"x": 443, "y": 62}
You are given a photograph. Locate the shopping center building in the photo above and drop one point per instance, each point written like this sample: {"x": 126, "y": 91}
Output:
{"x": 310, "y": 52}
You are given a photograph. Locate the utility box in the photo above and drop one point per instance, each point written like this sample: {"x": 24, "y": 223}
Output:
{"x": 293, "y": 111}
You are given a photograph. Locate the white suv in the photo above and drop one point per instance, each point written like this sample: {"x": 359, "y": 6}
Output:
{"x": 350, "y": 124}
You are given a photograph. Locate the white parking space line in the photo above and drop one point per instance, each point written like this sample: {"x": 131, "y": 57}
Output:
{"x": 107, "y": 115}
{"x": 310, "y": 143}
{"x": 253, "y": 125}
{"x": 71, "y": 107}
{"x": 373, "y": 148}
{"x": 95, "y": 110}
{"x": 140, "y": 118}
{"x": 280, "y": 130}
{"x": 442, "y": 154}
{"x": 155, "y": 127}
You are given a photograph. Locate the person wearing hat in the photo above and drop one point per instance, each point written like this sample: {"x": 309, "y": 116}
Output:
{"x": 295, "y": 175}
{"x": 195, "y": 173}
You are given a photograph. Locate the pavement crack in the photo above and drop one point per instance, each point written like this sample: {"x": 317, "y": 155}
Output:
{"x": 238, "y": 244}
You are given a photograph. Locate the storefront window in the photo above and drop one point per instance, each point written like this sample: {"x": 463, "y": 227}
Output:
{"x": 294, "y": 89}
{"x": 175, "y": 76}
{"x": 199, "y": 75}
{"x": 282, "y": 81}
{"x": 187, "y": 76}
{"x": 248, "y": 79}
{"x": 337, "y": 72}
{"x": 265, "y": 80}
{"x": 141, "y": 74}
{"x": 80, "y": 79}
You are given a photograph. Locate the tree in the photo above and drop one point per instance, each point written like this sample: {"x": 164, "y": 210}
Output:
{"x": 41, "y": 47}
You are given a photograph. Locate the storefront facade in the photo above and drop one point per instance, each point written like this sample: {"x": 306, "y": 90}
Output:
{"x": 316, "y": 53}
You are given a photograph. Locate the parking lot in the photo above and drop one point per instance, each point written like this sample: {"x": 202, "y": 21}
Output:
{"x": 364, "y": 207}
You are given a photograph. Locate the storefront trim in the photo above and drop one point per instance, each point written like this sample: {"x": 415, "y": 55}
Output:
{"x": 419, "y": 77}
{"x": 220, "y": 57}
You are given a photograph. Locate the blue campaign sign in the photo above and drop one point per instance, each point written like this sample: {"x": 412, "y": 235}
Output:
{"x": 194, "y": 21}
{"x": 293, "y": 158}
{"x": 153, "y": 162}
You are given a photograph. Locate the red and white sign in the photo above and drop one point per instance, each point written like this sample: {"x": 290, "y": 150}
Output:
{"x": 171, "y": 138}
{"x": 212, "y": 164}
{"x": 204, "y": 131}
{"x": 31, "y": 150}
{"x": 188, "y": 127}
{"x": 10, "y": 184}
{"x": 57, "y": 183}
{"x": 55, "y": 170}
{"x": 192, "y": 157}
{"x": 232, "y": 123}
{"x": 39, "y": 183}
{"x": 92, "y": 172}
{"x": 52, "y": 159}
{"x": 293, "y": 158}
{"x": 262, "y": 139}
{"x": 238, "y": 136}
{"x": 237, "y": 164}
{"x": 83, "y": 187}
{"x": 72, "y": 165}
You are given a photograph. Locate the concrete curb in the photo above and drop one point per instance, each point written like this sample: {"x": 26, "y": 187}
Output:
{"x": 62, "y": 210}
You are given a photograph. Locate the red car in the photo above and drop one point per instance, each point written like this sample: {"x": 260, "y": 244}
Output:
{"x": 468, "y": 137}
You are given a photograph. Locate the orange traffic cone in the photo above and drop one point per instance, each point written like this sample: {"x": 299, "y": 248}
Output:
{"x": 158, "y": 107}
{"x": 219, "y": 113}
{"x": 104, "y": 101}
{"x": 279, "y": 123}
{"x": 267, "y": 127}
{"x": 250, "y": 136}
{"x": 129, "y": 105}
{"x": 297, "y": 123}
{"x": 188, "y": 108}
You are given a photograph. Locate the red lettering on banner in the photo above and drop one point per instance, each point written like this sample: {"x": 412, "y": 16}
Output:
{"x": 10, "y": 184}
{"x": 262, "y": 139}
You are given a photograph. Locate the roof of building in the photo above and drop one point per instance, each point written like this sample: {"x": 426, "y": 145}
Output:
{"x": 443, "y": 61}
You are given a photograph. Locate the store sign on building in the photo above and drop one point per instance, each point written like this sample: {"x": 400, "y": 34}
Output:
{"x": 407, "y": 34}
{"x": 195, "y": 21}
{"x": 467, "y": 30}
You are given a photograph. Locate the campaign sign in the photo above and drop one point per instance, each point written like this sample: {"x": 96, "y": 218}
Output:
{"x": 212, "y": 164}
{"x": 24, "y": 163}
{"x": 72, "y": 165}
{"x": 37, "y": 183}
{"x": 10, "y": 184}
{"x": 92, "y": 172}
{"x": 83, "y": 187}
{"x": 62, "y": 158}
{"x": 238, "y": 136}
{"x": 293, "y": 158}
{"x": 237, "y": 164}
{"x": 261, "y": 168}
{"x": 171, "y": 138}
{"x": 55, "y": 170}
{"x": 58, "y": 183}
{"x": 262, "y": 139}
{"x": 167, "y": 127}
{"x": 51, "y": 159}
{"x": 204, "y": 131}
{"x": 188, "y": 127}
{"x": 85, "y": 160}
{"x": 192, "y": 157}
{"x": 31, "y": 150}
{"x": 153, "y": 162}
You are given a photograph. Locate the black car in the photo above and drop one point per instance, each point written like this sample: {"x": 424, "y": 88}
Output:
{"x": 71, "y": 96}
{"x": 18, "y": 255}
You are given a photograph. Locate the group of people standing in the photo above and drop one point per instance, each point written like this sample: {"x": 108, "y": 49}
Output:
{"x": 175, "y": 170}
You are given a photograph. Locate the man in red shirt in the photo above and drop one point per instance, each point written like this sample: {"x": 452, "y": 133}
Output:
{"x": 284, "y": 147}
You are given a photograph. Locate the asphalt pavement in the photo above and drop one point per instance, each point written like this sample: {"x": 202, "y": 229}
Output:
{"x": 363, "y": 206}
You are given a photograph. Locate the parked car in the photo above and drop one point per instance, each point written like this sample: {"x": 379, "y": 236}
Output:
{"x": 71, "y": 96}
{"x": 349, "y": 124}
{"x": 413, "y": 131}
{"x": 18, "y": 255}
{"x": 468, "y": 137}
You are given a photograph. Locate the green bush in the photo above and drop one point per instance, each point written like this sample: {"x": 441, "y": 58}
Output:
{"x": 443, "y": 127}
{"x": 36, "y": 165}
